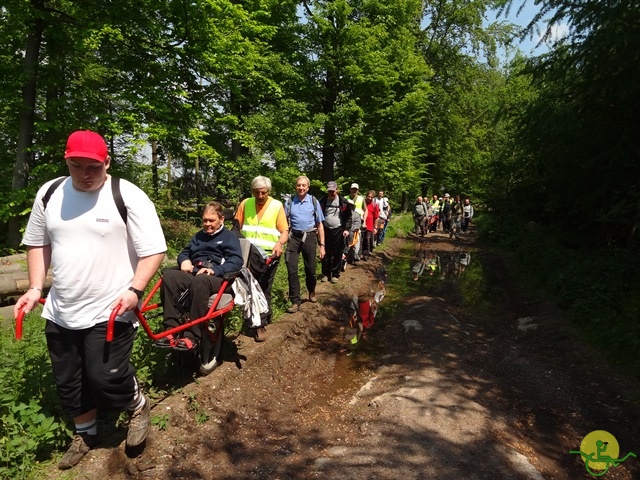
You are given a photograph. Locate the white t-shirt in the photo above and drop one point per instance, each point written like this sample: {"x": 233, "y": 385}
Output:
{"x": 93, "y": 253}
{"x": 383, "y": 206}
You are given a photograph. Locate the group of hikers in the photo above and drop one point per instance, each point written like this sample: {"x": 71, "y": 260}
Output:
{"x": 451, "y": 214}
{"x": 103, "y": 240}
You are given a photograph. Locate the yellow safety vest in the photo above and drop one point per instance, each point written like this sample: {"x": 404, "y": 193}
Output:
{"x": 262, "y": 233}
{"x": 359, "y": 204}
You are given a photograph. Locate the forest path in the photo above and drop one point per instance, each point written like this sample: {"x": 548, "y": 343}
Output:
{"x": 435, "y": 390}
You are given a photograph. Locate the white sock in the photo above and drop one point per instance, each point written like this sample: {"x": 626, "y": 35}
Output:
{"x": 138, "y": 398}
{"x": 90, "y": 428}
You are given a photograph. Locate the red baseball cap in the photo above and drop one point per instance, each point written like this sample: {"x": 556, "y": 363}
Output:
{"x": 86, "y": 144}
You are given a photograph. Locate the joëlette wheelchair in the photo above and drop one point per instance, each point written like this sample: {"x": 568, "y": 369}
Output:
{"x": 209, "y": 351}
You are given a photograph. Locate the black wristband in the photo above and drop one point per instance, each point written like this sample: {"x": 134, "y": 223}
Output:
{"x": 139, "y": 293}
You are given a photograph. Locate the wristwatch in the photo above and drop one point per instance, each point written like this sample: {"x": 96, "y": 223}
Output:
{"x": 139, "y": 293}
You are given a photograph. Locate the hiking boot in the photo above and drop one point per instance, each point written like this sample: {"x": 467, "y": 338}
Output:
{"x": 261, "y": 334}
{"x": 324, "y": 279}
{"x": 312, "y": 297}
{"x": 294, "y": 308}
{"x": 139, "y": 424}
{"x": 334, "y": 280}
{"x": 80, "y": 446}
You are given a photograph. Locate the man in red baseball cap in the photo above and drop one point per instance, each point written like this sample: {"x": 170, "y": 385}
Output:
{"x": 88, "y": 160}
{"x": 100, "y": 262}
{"x": 86, "y": 144}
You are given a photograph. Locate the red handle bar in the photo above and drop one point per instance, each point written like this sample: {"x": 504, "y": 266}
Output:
{"x": 19, "y": 320}
{"x": 110, "y": 323}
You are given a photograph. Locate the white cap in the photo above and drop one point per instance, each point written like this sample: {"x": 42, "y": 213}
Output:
{"x": 446, "y": 195}
{"x": 355, "y": 185}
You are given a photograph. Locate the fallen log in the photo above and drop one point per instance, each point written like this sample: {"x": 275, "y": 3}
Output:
{"x": 12, "y": 267}
{"x": 16, "y": 258}
{"x": 13, "y": 263}
{"x": 16, "y": 283}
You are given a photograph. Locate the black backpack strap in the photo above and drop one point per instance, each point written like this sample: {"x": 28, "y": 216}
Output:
{"x": 314, "y": 202}
{"x": 287, "y": 209}
{"x": 50, "y": 190}
{"x": 117, "y": 197}
{"x": 115, "y": 190}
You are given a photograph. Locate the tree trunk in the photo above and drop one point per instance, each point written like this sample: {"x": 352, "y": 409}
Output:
{"x": 404, "y": 202}
{"x": 169, "y": 165}
{"x": 16, "y": 283}
{"x": 26, "y": 119}
{"x": 329, "y": 136}
{"x": 154, "y": 166}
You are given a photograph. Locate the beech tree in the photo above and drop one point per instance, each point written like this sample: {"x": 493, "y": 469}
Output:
{"x": 368, "y": 89}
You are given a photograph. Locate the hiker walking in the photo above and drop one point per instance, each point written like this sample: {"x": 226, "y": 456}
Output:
{"x": 372, "y": 212}
{"x": 467, "y": 214}
{"x": 419, "y": 215}
{"x": 385, "y": 215}
{"x": 263, "y": 221}
{"x": 456, "y": 217}
{"x": 305, "y": 232}
{"x": 445, "y": 213}
{"x": 101, "y": 259}
{"x": 337, "y": 224}
{"x": 357, "y": 218}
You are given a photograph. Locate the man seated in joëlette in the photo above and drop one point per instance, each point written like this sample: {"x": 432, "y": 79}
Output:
{"x": 212, "y": 252}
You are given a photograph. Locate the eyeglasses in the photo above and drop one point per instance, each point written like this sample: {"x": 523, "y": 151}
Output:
{"x": 260, "y": 192}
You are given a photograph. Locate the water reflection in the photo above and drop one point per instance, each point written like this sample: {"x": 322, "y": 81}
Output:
{"x": 364, "y": 307}
{"x": 428, "y": 262}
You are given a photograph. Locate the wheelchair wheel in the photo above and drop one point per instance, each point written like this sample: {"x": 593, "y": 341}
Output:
{"x": 211, "y": 346}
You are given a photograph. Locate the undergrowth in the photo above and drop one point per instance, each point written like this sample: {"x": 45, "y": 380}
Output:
{"x": 31, "y": 421}
{"x": 598, "y": 289}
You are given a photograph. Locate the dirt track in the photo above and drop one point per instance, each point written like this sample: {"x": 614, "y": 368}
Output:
{"x": 434, "y": 391}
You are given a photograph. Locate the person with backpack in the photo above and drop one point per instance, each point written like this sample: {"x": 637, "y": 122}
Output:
{"x": 100, "y": 262}
{"x": 456, "y": 217}
{"x": 467, "y": 214}
{"x": 419, "y": 216}
{"x": 306, "y": 231}
{"x": 357, "y": 219}
{"x": 262, "y": 220}
{"x": 445, "y": 212}
{"x": 337, "y": 224}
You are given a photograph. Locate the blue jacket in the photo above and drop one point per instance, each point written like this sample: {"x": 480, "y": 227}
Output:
{"x": 222, "y": 249}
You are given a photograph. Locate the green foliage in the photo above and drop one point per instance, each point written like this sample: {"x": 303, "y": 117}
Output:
{"x": 575, "y": 140}
{"x": 161, "y": 422}
{"x": 31, "y": 424}
{"x": 200, "y": 414}
{"x": 400, "y": 225}
{"x": 280, "y": 290}
{"x": 177, "y": 234}
{"x": 477, "y": 290}
{"x": 597, "y": 288}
